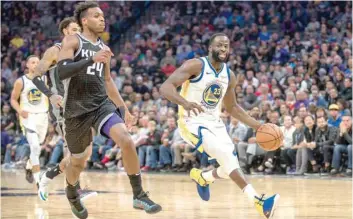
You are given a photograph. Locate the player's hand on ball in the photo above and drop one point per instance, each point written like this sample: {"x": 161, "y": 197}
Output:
{"x": 56, "y": 100}
{"x": 194, "y": 107}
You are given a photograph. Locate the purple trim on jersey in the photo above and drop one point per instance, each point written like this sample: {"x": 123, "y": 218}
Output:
{"x": 114, "y": 119}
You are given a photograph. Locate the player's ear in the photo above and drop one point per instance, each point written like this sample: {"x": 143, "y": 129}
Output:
{"x": 83, "y": 21}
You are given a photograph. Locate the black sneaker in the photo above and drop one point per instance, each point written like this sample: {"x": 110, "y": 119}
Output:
{"x": 143, "y": 202}
{"x": 77, "y": 207}
{"x": 29, "y": 176}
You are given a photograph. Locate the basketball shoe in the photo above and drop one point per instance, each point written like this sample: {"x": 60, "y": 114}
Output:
{"x": 77, "y": 207}
{"x": 143, "y": 202}
{"x": 43, "y": 189}
{"x": 266, "y": 207}
{"x": 202, "y": 185}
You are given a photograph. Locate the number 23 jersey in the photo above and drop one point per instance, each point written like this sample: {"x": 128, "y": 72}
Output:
{"x": 208, "y": 90}
{"x": 85, "y": 92}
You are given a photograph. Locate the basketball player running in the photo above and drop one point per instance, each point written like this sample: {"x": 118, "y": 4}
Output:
{"x": 32, "y": 108}
{"x": 68, "y": 26}
{"x": 206, "y": 82}
{"x": 84, "y": 67}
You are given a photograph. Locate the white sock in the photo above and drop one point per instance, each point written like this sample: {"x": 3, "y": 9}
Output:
{"x": 28, "y": 165}
{"x": 208, "y": 176}
{"x": 250, "y": 192}
{"x": 36, "y": 176}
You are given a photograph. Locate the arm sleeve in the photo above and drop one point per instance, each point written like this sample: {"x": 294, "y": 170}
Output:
{"x": 40, "y": 84}
{"x": 67, "y": 68}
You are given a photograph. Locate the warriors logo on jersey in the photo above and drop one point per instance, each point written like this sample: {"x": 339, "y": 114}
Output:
{"x": 212, "y": 94}
{"x": 34, "y": 96}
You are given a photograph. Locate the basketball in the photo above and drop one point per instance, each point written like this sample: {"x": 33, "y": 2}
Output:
{"x": 269, "y": 137}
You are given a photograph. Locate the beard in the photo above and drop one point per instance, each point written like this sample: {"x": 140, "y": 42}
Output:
{"x": 215, "y": 56}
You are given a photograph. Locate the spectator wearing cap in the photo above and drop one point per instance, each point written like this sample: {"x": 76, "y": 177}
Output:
{"x": 343, "y": 144}
{"x": 335, "y": 119}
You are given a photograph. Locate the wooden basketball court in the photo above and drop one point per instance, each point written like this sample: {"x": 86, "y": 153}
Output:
{"x": 300, "y": 197}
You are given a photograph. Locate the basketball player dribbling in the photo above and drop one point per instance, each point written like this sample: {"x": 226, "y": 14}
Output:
{"x": 206, "y": 83}
{"x": 91, "y": 100}
{"x": 56, "y": 91}
{"x": 32, "y": 108}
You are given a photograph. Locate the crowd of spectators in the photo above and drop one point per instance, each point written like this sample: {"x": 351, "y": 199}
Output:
{"x": 293, "y": 62}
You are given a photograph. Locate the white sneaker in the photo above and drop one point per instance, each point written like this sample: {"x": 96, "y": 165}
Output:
{"x": 43, "y": 190}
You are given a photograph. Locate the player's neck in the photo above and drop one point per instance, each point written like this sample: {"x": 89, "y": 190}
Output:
{"x": 93, "y": 37}
{"x": 215, "y": 65}
{"x": 30, "y": 74}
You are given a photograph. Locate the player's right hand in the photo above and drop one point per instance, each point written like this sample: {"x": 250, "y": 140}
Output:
{"x": 194, "y": 107}
{"x": 103, "y": 55}
{"x": 56, "y": 100}
{"x": 24, "y": 114}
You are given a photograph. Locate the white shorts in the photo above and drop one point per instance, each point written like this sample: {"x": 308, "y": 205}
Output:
{"x": 36, "y": 122}
{"x": 213, "y": 139}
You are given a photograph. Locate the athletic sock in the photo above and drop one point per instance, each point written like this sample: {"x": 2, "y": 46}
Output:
{"x": 53, "y": 172}
{"x": 36, "y": 176}
{"x": 28, "y": 165}
{"x": 250, "y": 192}
{"x": 135, "y": 181}
{"x": 208, "y": 176}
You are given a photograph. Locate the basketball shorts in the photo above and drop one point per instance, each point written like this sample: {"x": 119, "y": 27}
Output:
{"x": 35, "y": 122}
{"x": 77, "y": 130}
{"x": 212, "y": 139}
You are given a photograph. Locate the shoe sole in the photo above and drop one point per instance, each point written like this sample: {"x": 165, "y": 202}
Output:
{"x": 148, "y": 212}
{"x": 89, "y": 195}
{"x": 274, "y": 206}
{"x": 41, "y": 196}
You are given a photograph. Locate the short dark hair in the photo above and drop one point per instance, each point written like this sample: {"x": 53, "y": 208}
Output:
{"x": 81, "y": 8}
{"x": 65, "y": 23}
{"x": 214, "y": 36}
{"x": 31, "y": 56}
{"x": 320, "y": 117}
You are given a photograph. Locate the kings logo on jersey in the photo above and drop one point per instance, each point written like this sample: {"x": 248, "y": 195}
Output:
{"x": 34, "y": 96}
{"x": 212, "y": 94}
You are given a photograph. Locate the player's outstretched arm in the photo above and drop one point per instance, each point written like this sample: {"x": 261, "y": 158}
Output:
{"x": 189, "y": 69}
{"x": 50, "y": 56}
{"x": 234, "y": 109}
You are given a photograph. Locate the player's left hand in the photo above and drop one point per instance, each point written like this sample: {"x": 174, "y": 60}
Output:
{"x": 129, "y": 119}
{"x": 56, "y": 100}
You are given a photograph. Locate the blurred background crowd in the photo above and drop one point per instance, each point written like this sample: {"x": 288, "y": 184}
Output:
{"x": 293, "y": 61}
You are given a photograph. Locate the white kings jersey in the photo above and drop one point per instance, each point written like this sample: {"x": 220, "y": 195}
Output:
{"x": 208, "y": 90}
{"x": 31, "y": 99}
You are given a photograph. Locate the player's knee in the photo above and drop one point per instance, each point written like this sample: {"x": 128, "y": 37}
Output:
{"x": 125, "y": 142}
{"x": 78, "y": 163}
